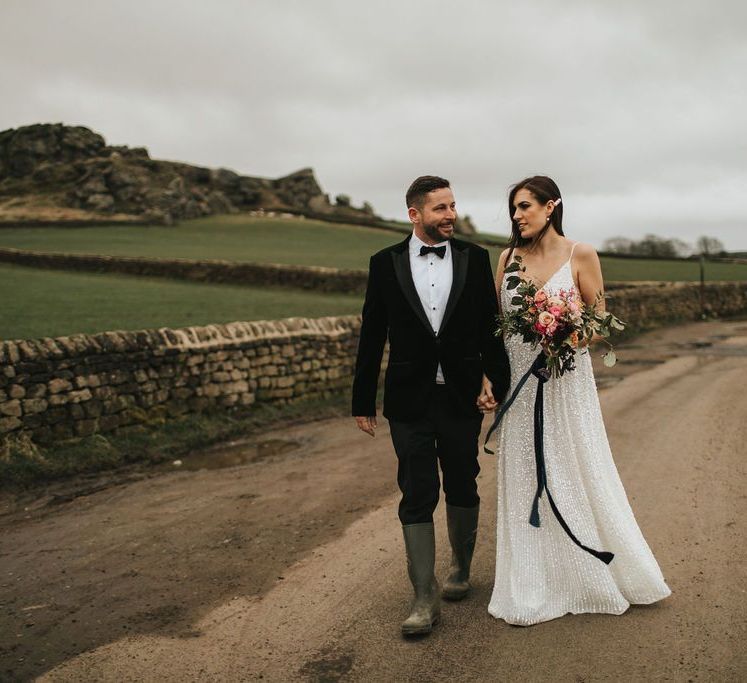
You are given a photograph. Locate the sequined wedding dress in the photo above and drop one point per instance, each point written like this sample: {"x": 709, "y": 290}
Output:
{"x": 540, "y": 573}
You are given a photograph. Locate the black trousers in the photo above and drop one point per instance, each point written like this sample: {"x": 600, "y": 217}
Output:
{"x": 438, "y": 437}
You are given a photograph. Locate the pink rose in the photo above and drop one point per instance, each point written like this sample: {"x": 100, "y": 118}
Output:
{"x": 540, "y": 297}
{"x": 546, "y": 319}
{"x": 555, "y": 311}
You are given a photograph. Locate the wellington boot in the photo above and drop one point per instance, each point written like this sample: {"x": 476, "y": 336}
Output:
{"x": 462, "y": 523}
{"x": 420, "y": 546}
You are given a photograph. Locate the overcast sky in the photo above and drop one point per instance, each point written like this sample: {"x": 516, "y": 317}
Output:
{"x": 635, "y": 108}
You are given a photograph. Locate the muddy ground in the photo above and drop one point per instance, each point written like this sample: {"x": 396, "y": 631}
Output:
{"x": 280, "y": 557}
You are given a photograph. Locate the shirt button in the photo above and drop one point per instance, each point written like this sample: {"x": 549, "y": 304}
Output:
{"x": 434, "y": 308}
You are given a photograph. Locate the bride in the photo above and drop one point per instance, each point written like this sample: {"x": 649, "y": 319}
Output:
{"x": 564, "y": 564}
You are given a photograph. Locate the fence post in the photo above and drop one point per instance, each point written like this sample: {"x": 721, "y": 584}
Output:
{"x": 702, "y": 286}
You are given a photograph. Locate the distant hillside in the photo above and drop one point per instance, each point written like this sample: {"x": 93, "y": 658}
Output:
{"x": 57, "y": 174}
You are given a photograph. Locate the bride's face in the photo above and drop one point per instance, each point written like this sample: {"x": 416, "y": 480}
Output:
{"x": 529, "y": 214}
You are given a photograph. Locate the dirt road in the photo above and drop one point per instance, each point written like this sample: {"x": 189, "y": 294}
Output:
{"x": 281, "y": 559}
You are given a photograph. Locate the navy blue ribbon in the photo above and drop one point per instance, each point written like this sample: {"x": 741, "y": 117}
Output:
{"x": 540, "y": 371}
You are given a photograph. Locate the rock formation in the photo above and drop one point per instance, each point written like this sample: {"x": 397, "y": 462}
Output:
{"x": 58, "y": 173}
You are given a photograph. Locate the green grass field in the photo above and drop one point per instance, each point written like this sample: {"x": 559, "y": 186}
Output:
{"x": 45, "y": 303}
{"x": 292, "y": 241}
{"x": 39, "y": 303}
{"x": 234, "y": 238}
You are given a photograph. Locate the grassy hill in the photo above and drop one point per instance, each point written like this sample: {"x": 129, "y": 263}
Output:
{"x": 233, "y": 237}
{"x": 297, "y": 242}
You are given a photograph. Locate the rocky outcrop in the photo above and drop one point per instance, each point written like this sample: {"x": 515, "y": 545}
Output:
{"x": 48, "y": 167}
{"x": 465, "y": 226}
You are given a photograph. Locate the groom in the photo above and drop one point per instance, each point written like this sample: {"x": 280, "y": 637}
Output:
{"x": 434, "y": 298}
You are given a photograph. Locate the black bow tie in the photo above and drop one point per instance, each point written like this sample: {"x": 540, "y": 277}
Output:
{"x": 438, "y": 251}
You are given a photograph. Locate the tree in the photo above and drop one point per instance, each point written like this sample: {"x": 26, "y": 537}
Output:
{"x": 708, "y": 246}
{"x": 650, "y": 245}
{"x": 618, "y": 245}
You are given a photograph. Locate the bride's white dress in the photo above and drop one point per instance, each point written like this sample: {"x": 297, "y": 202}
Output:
{"x": 541, "y": 574}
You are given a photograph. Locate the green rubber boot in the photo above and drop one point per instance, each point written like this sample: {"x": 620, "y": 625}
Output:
{"x": 420, "y": 546}
{"x": 462, "y": 523}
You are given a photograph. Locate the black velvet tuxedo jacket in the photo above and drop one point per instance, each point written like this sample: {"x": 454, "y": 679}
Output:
{"x": 465, "y": 345}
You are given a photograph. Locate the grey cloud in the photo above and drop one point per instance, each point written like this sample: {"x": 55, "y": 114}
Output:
{"x": 630, "y": 106}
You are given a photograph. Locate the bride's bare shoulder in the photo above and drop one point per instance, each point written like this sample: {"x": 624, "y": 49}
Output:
{"x": 584, "y": 251}
{"x": 502, "y": 258}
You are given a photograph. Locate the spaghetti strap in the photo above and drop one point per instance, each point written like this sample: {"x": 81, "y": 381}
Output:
{"x": 572, "y": 249}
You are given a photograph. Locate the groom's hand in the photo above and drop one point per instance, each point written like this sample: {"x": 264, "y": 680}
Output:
{"x": 367, "y": 424}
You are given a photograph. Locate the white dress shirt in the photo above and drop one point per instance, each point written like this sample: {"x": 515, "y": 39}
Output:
{"x": 432, "y": 277}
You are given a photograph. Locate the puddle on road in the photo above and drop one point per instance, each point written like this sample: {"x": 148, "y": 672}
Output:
{"x": 604, "y": 382}
{"x": 725, "y": 349}
{"x": 235, "y": 453}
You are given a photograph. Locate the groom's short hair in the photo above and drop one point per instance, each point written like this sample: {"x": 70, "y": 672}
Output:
{"x": 421, "y": 186}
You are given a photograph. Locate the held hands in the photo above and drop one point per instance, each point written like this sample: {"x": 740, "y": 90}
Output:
{"x": 486, "y": 402}
{"x": 367, "y": 424}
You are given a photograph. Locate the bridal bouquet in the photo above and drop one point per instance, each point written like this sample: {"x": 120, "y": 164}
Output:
{"x": 558, "y": 323}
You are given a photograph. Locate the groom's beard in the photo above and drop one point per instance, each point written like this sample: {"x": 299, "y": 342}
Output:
{"x": 439, "y": 232}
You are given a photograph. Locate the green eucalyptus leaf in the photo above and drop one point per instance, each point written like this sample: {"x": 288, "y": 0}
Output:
{"x": 609, "y": 359}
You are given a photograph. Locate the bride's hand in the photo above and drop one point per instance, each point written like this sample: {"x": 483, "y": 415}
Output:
{"x": 486, "y": 402}
{"x": 585, "y": 343}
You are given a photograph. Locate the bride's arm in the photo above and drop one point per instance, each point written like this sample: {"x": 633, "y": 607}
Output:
{"x": 589, "y": 278}
{"x": 500, "y": 269}
{"x": 485, "y": 401}
{"x": 589, "y": 275}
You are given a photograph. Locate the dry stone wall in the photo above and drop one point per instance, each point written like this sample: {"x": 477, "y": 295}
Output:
{"x": 318, "y": 278}
{"x": 75, "y": 386}
{"x": 652, "y": 304}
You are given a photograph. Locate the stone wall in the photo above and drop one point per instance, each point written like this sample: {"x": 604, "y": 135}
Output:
{"x": 647, "y": 305}
{"x": 75, "y": 386}
{"x": 317, "y": 278}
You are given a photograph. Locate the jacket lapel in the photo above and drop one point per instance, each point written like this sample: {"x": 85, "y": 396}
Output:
{"x": 401, "y": 259}
{"x": 459, "y": 260}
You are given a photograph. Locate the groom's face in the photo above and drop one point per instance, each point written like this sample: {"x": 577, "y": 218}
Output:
{"x": 436, "y": 218}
